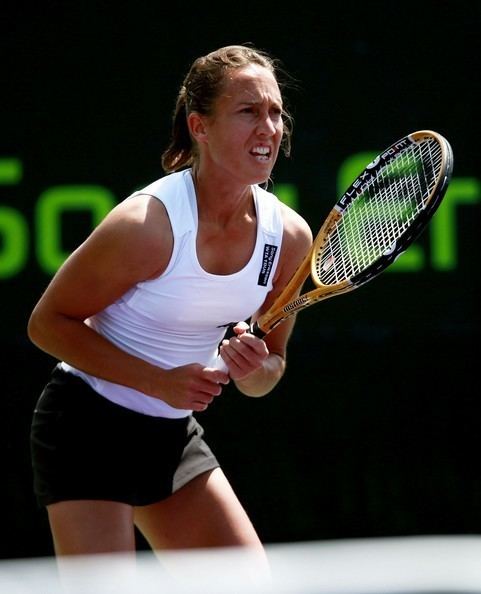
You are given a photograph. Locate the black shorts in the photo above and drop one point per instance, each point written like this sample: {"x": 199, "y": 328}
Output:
{"x": 85, "y": 447}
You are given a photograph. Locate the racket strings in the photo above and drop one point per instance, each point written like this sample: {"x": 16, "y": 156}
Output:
{"x": 381, "y": 213}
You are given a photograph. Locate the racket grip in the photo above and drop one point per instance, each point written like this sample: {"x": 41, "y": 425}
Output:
{"x": 219, "y": 362}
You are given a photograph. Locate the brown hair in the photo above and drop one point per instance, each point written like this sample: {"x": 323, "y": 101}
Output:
{"x": 200, "y": 89}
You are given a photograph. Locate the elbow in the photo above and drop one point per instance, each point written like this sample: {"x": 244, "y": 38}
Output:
{"x": 38, "y": 330}
{"x": 257, "y": 389}
{"x": 33, "y": 329}
{"x": 255, "y": 393}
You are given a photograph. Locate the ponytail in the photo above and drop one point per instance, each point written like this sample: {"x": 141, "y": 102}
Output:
{"x": 179, "y": 152}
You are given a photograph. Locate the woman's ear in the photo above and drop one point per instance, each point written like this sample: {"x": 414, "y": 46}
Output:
{"x": 197, "y": 127}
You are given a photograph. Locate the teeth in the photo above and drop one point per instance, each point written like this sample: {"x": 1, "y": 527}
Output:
{"x": 262, "y": 153}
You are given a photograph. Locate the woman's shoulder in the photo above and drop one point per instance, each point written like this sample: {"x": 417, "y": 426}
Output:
{"x": 138, "y": 232}
{"x": 141, "y": 212}
{"x": 296, "y": 229}
{"x": 153, "y": 206}
{"x": 168, "y": 186}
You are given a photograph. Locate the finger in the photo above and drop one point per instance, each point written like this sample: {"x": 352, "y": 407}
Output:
{"x": 238, "y": 359}
{"x": 248, "y": 346}
{"x": 199, "y": 406}
{"x": 255, "y": 344}
{"x": 241, "y": 328}
{"x": 203, "y": 401}
{"x": 216, "y": 376}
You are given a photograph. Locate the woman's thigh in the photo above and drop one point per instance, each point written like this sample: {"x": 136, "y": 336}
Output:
{"x": 203, "y": 513}
{"x": 87, "y": 527}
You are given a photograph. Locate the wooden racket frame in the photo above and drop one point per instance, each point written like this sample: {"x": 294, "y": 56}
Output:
{"x": 290, "y": 301}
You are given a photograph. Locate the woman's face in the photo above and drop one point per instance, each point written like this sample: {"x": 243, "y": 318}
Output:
{"x": 243, "y": 135}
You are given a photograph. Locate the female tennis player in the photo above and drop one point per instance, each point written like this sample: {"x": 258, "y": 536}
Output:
{"x": 136, "y": 315}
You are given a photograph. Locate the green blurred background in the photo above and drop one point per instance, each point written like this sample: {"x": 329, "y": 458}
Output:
{"x": 374, "y": 431}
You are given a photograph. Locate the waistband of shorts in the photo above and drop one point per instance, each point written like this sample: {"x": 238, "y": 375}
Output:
{"x": 61, "y": 377}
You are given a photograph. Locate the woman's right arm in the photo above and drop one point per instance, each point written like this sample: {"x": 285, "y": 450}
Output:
{"x": 132, "y": 244}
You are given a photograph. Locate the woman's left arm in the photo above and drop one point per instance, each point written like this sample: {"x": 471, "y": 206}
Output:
{"x": 256, "y": 365}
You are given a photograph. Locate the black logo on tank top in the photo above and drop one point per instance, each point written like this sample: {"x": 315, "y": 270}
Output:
{"x": 267, "y": 262}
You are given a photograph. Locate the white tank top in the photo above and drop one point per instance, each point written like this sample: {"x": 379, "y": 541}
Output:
{"x": 180, "y": 317}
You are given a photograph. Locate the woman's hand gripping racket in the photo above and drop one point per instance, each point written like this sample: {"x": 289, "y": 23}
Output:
{"x": 377, "y": 218}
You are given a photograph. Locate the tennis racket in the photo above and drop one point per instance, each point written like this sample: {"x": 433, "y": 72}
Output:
{"x": 381, "y": 213}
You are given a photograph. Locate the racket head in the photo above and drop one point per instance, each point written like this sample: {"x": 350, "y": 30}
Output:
{"x": 382, "y": 212}
{"x": 351, "y": 248}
